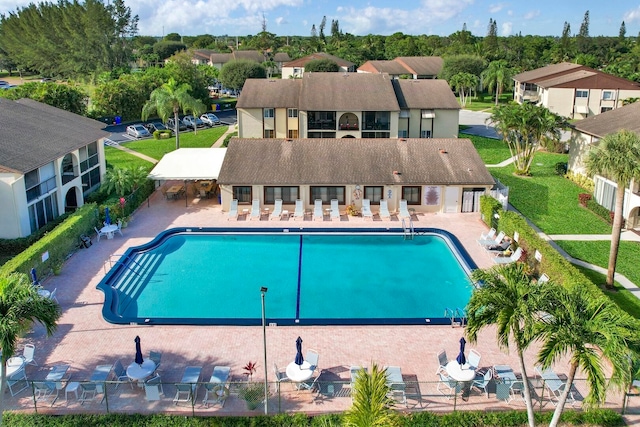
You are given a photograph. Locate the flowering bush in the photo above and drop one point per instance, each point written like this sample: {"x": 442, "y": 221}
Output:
{"x": 584, "y": 198}
{"x": 351, "y": 210}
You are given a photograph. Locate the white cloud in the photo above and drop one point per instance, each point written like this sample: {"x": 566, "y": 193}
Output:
{"x": 494, "y": 8}
{"x": 531, "y": 14}
{"x": 280, "y": 20}
{"x": 632, "y": 15}
{"x": 506, "y": 29}
{"x": 510, "y": 12}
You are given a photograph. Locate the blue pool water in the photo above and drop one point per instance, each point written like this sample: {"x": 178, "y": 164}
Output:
{"x": 317, "y": 277}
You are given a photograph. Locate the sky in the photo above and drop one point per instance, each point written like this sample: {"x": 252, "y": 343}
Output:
{"x": 362, "y": 17}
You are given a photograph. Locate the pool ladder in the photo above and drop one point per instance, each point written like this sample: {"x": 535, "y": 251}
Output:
{"x": 457, "y": 316}
{"x": 408, "y": 231}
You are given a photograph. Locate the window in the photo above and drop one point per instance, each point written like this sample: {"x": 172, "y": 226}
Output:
{"x": 328, "y": 193}
{"x": 374, "y": 194}
{"x": 292, "y": 112}
{"x": 268, "y": 113}
{"x": 376, "y": 120}
{"x": 425, "y": 134}
{"x": 402, "y": 133}
{"x": 605, "y": 109}
{"x": 88, "y": 156}
{"x": 608, "y": 95}
{"x": 581, "y": 93}
{"x": 292, "y": 133}
{"x": 39, "y": 182}
{"x": 268, "y": 133}
{"x": 411, "y": 195}
{"x": 287, "y": 194}
{"x": 405, "y": 114}
{"x": 43, "y": 211}
{"x": 428, "y": 114}
{"x": 90, "y": 181}
{"x": 243, "y": 194}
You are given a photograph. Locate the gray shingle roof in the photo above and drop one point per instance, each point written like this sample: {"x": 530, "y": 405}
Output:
{"x": 33, "y": 134}
{"x": 626, "y": 117}
{"x": 565, "y": 78}
{"x": 301, "y": 62}
{"x": 425, "y": 94}
{"x": 347, "y": 91}
{"x": 274, "y": 93}
{"x": 389, "y": 67}
{"x": 356, "y": 161}
{"x": 549, "y": 70}
{"x": 422, "y": 65}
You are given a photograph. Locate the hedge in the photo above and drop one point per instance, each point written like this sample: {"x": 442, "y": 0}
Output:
{"x": 599, "y": 417}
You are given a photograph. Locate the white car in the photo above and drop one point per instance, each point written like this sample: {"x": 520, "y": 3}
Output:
{"x": 138, "y": 131}
{"x": 210, "y": 119}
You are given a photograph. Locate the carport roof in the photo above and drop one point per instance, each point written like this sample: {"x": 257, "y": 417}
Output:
{"x": 189, "y": 164}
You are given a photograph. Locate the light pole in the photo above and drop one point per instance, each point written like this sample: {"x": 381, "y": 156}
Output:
{"x": 263, "y": 291}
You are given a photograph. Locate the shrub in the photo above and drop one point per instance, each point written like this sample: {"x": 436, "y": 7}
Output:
{"x": 561, "y": 168}
{"x": 162, "y": 134}
{"x": 581, "y": 180}
{"x": 488, "y": 209}
{"x": 583, "y": 198}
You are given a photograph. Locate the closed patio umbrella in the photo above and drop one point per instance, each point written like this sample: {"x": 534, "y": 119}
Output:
{"x": 34, "y": 277}
{"x": 139, "y": 360}
{"x": 107, "y": 217}
{"x": 299, "y": 359}
{"x": 461, "y": 359}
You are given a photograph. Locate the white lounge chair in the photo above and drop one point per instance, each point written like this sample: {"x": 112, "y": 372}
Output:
{"x": 404, "y": 210}
{"x": 555, "y": 385}
{"x": 277, "y": 210}
{"x": 186, "y": 389}
{"x": 255, "y": 210}
{"x": 488, "y": 235}
{"x": 492, "y": 242}
{"x": 335, "y": 210}
{"x": 216, "y": 390}
{"x": 318, "y": 214}
{"x": 298, "y": 213}
{"x": 233, "y": 210}
{"x": 384, "y": 210}
{"x": 366, "y": 209}
{"x": 508, "y": 260}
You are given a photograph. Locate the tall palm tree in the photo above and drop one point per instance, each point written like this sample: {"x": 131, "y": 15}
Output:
{"x": 371, "y": 401}
{"x": 617, "y": 157}
{"x": 590, "y": 329}
{"x": 20, "y": 305}
{"x": 169, "y": 99}
{"x": 507, "y": 299}
{"x": 497, "y": 77}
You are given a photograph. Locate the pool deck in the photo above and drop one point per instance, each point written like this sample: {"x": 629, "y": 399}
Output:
{"x": 84, "y": 339}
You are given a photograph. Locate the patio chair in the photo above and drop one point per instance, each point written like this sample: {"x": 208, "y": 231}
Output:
{"x": 311, "y": 384}
{"x": 53, "y": 297}
{"x": 156, "y": 357}
{"x": 450, "y": 385}
{"x": 473, "y": 360}
{"x": 120, "y": 374}
{"x": 442, "y": 359}
{"x": 44, "y": 390}
{"x": 492, "y": 242}
{"x": 298, "y": 213}
{"x": 488, "y": 235}
{"x": 277, "y": 210}
{"x": 404, "y": 210}
{"x": 366, "y": 209}
{"x": 153, "y": 388}
{"x": 384, "y": 210}
{"x": 255, "y": 210}
{"x": 233, "y": 210}
{"x": 29, "y": 350}
{"x": 312, "y": 357}
{"x": 508, "y": 260}
{"x": 280, "y": 376}
{"x": 14, "y": 382}
{"x": 99, "y": 233}
{"x": 216, "y": 390}
{"x": 481, "y": 382}
{"x": 119, "y": 229}
{"x": 335, "y": 210}
{"x": 186, "y": 389}
{"x": 318, "y": 214}
{"x": 90, "y": 391}
{"x": 554, "y": 384}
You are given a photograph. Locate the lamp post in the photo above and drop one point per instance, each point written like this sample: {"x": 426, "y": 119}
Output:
{"x": 263, "y": 291}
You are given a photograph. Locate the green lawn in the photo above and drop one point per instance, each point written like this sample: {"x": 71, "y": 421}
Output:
{"x": 550, "y": 200}
{"x": 626, "y": 300}
{"x": 156, "y": 148}
{"x": 492, "y": 151}
{"x": 488, "y": 102}
{"x": 598, "y": 253}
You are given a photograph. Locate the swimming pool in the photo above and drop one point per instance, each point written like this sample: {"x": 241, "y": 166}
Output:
{"x": 314, "y": 277}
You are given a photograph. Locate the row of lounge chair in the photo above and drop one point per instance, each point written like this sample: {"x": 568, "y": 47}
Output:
{"x": 318, "y": 212}
{"x": 499, "y": 245}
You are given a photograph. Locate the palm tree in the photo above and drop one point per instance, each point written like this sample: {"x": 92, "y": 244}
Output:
{"x": 497, "y": 77}
{"x": 169, "y": 99}
{"x": 617, "y": 157}
{"x": 590, "y": 329}
{"x": 371, "y": 401}
{"x": 464, "y": 83}
{"x": 508, "y": 299}
{"x": 20, "y": 305}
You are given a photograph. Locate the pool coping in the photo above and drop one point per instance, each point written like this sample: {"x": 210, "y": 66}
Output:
{"x": 121, "y": 266}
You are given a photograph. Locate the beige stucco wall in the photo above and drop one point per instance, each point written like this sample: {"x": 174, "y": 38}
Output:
{"x": 280, "y": 122}
{"x": 579, "y": 145}
{"x": 11, "y": 224}
{"x": 446, "y": 124}
{"x": 250, "y": 123}
{"x": 560, "y": 101}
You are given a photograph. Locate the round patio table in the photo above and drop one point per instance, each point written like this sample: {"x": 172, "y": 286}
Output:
{"x": 139, "y": 372}
{"x": 299, "y": 373}
{"x": 463, "y": 375}
{"x": 14, "y": 364}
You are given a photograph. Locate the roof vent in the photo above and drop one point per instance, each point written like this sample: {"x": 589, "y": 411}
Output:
{"x": 396, "y": 173}
{"x": 443, "y": 151}
{"x": 403, "y": 139}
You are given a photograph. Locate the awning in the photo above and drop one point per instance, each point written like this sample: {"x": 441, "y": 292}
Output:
{"x": 581, "y": 109}
{"x": 189, "y": 164}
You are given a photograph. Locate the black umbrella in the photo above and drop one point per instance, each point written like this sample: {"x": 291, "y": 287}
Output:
{"x": 461, "y": 359}
{"x": 139, "y": 360}
{"x": 299, "y": 359}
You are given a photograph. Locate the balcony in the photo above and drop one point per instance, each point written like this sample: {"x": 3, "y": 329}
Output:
{"x": 321, "y": 125}
{"x": 347, "y": 126}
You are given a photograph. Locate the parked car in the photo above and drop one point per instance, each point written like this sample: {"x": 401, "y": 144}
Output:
{"x": 210, "y": 119}
{"x": 192, "y": 122}
{"x": 138, "y": 131}
{"x": 154, "y": 126}
{"x": 171, "y": 125}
